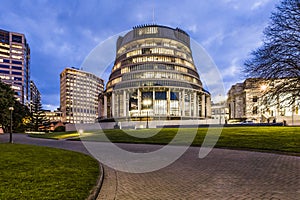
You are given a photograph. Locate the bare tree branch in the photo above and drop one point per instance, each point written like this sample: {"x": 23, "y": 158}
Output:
{"x": 279, "y": 56}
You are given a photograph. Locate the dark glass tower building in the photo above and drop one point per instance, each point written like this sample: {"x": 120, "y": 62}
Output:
{"x": 15, "y": 64}
{"x": 154, "y": 76}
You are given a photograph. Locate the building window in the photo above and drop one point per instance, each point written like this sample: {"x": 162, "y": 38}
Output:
{"x": 16, "y": 67}
{"x": 16, "y": 62}
{"x": 148, "y": 30}
{"x": 161, "y": 95}
{"x": 147, "y": 96}
{"x": 17, "y": 79}
{"x": 133, "y": 101}
{"x": 174, "y": 95}
{"x": 4, "y": 37}
{"x": 17, "y": 38}
{"x": 4, "y": 72}
{"x": 17, "y": 73}
{"x": 254, "y": 99}
{"x": 255, "y": 110}
{"x": 4, "y": 66}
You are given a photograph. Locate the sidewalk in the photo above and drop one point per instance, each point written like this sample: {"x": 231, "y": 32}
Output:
{"x": 223, "y": 174}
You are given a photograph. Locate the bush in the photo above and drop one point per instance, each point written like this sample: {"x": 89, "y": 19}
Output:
{"x": 60, "y": 129}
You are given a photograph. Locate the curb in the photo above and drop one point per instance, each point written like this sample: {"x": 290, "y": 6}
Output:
{"x": 94, "y": 192}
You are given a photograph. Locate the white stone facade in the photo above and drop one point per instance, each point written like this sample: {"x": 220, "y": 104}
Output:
{"x": 250, "y": 100}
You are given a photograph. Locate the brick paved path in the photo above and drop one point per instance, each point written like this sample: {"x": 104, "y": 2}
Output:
{"x": 223, "y": 174}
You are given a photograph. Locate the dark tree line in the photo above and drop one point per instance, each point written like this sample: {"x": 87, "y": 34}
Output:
{"x": 21, "y": 114}
{"x": 278, "y": 59}
{"x": 38, "y": 116}
{"x": 23, "y": 119}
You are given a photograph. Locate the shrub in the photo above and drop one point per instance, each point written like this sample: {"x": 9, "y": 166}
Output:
{"x": 60, "y": 129}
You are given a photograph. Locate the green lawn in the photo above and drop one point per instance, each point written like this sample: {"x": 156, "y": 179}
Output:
{"x": 284, "y": 139}
{"x": 33, "y": 172}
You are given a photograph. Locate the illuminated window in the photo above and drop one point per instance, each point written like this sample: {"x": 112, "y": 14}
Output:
{"x": 17, "y": 46}
{"x": 148, "y": 30}
{"x": 16, "y": 57}
{"x": 18, "y": 52}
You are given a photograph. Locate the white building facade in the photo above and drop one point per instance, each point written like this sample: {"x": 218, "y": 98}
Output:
{"x": 251, "y": 100}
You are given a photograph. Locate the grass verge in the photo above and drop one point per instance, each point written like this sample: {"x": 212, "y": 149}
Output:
{"x": 56, "y": 135}
{"x": 34, "y": 172}
{"x": 283, "y": 139}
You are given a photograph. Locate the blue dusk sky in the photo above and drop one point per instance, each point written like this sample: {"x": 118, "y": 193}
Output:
{"x": 62, "y": 33}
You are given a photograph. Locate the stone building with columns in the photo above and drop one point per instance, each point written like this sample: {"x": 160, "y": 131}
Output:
{"x": 251, "y": 100}
{"x": 154, "y": 77}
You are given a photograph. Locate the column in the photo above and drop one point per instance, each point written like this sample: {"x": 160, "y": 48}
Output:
{"x": 105, "y": 107}
{"x": 113, "y": 104}
{"x": 208, "y": 106}
{"x": 190, "y": 105}
{"x": 139, "y": 102}
{"x": 179, "y": 103}
{"x": 203, "y": 105}
{"x": 183, "y": 103}
{"x": 153, "y": 103}
{"x": 168, "y": 102}
{"x": 125, "y": 104}
{"x": 195, "y": 105}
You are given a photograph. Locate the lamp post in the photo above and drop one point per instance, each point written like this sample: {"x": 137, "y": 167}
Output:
{"x": 147, "y": 103}
{"x": 11, "y": 123}
{"x": 147, "y": 125}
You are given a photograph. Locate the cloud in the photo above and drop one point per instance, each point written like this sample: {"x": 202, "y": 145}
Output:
{"x": 50, "y": 101}
{"x": 50, "y": 107}
{"x": 259, "y": 4}
{"x": 233, "y": 70}
{"x": 192, "y": 28}
{"x": 62, "y": 33}
{"x": 216, "y": 39}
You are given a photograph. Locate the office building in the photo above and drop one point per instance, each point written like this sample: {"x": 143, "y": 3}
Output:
{"x": 154, "y": 76}
{"x": 15, "y": 64}
{"x": 79, "y": 91}
{"x": 53, "y": 116}
{"x": 35, "y": 95}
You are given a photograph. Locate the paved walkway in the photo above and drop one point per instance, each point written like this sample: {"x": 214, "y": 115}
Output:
{"x": 223, "y": 174}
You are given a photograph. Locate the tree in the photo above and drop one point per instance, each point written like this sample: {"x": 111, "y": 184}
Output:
{"x": 21, "y": 117}
{"x": 38, "y": 116}
{"x": 20, "y": 112}
{"x": 278, "y": 59}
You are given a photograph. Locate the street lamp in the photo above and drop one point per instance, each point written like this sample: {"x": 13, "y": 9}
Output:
{"x": 11, "y": 123}
{"x": 147, "y": 103}
{"x": 263, "y": 87}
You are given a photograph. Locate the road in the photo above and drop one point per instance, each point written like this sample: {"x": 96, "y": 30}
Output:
{"x": 223, "y": 174}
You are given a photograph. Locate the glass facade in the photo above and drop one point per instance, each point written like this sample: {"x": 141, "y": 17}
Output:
{"x": 15, "y": 64}
{"x": 154, "y": 75}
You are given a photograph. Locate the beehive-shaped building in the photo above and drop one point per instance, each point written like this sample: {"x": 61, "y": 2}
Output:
{"x": 154, "y": 76}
